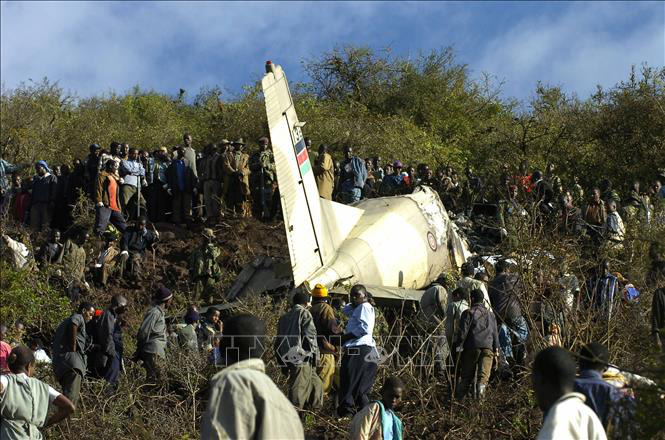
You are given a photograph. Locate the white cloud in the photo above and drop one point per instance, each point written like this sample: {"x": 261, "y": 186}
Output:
{"x": 92, "y": 47}
{"x": 589, "y": 44}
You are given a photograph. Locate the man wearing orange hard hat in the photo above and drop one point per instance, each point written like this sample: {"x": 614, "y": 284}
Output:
{"x": 327, "y": 328}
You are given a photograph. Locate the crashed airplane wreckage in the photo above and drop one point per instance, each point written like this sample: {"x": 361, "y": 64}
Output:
{"x": 340, "y": 245}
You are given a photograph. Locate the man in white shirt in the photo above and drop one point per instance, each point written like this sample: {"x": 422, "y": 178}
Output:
{"x": 25, "y": 401}
{"x": 566, "y": 415}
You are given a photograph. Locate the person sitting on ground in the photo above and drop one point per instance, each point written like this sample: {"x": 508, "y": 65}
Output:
{"x": 566, "y": 415}
{"x": 151, "y": 337}
{"x": 37, "y": 347}
{"x": 135, "y": 241}
{"x": 210, "y": 327}
{"x": 107, "y": 260}
{"x": 377, "y": 421}
{"x": 297, "y": 352}
{"x": 187, "y": 335}
{"x": 601, "y": 396}
{"x": 70, "y": 347}
{"x": 479, "y": 343}
{"x": 260, "y": 409}
{"x": 25, "y": 402}
{"x": 51, "y": 251}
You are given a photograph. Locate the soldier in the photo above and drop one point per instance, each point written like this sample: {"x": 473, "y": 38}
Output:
{"x": 262, "y": 177}
{"x": 227, "y": 171}
{"x": 236, "y": 167}
{"x": 210, "y": 175}
{"x": 312, "y": 154}
{"x": 203, "y": 267}
{"x": 74, "y": 262}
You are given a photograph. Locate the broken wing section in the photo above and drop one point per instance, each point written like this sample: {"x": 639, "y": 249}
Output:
{"x": 295, "y": 176}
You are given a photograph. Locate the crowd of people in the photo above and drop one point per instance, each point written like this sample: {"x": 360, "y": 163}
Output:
{"x": 326, "y": 349}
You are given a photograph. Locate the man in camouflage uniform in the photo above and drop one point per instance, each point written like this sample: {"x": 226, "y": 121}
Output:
{"x": 262, "y": 177}
{"x": 210, "y": 174}
{"x": 203, "y": 267}
{"x": 236, "y": 174}
{"x": 74, "y": 263}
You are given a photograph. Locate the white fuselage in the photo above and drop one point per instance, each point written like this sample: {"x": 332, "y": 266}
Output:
{"x": 400, "y": 241}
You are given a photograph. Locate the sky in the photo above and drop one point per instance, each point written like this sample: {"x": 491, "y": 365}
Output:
{"x": 94, "y": 48}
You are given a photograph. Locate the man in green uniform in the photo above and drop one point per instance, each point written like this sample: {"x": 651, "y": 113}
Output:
{"x": 70, "y": 345}
{"x": 262, "y": 177}
{"x": 203, "y": 268}
{"x": 151, "y": 337}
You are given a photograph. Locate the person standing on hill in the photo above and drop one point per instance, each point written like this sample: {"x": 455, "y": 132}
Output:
{"x": 133, "y": 174}
{"x": 360, "y": 359}
{"x": 151, "y": 337}
{"x": 107, "y": 198}
{"x": 25, "y": 402}
{"x": 352, "y": 177}
{"x": 108, "y": 335}
{"x": 69, "y": 349}
{"x": 189, "y": 153}
{"x": 324, "y": 170}
{"x": 204, "y": 270}
{"x": 327, "y": 329}
{"x": 479, "y": 343}
{"x": 262, "y": 178}
{"x": 182, "y": 184}
{"x": 297, "y": 353}
{"x": 44, "y": 188}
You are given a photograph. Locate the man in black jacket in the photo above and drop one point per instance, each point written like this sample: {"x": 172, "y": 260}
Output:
{"x": 42, "y": 202}
{"x": 504, "y": 293}
{"x": 135, "y": 241}
{"x": 479, "y": 343}
{"x": 108, "y": 336}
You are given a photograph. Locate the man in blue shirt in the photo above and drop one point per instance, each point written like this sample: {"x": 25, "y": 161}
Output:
{"x": 601, "y": 396}
{"x": 360, "y": 360}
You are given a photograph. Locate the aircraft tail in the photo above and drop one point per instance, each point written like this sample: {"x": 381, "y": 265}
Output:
{"x": 312, "y": 242}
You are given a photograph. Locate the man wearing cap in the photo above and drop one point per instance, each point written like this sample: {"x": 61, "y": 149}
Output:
{"x": 151, "y": 337}
{"x": 204, "y": 270}
{"x": 236, "y": 180}
{"x": 44, "y": 188}
{"x": 327, "y": 329}
{"x": 262, "y": 177}
{"x": 297, "y": 353}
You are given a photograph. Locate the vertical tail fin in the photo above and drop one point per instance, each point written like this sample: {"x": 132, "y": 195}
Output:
{"x": 298, "y": 191}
